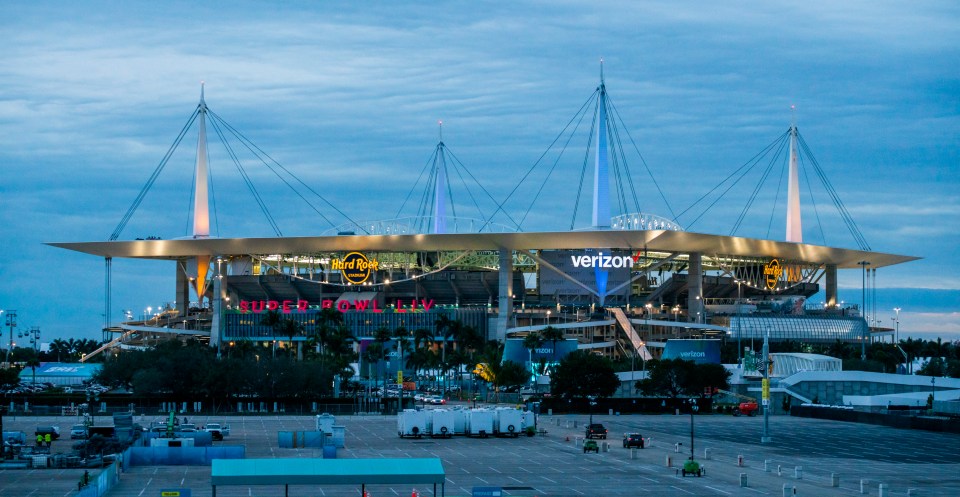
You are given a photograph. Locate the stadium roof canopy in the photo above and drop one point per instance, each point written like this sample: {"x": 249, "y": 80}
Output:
{"x": 652, "y": 240}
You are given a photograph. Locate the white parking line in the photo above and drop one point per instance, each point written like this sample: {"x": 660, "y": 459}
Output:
{"x": 718, "y": 490}
{"x": 495, "y": 469}
{"x": 549, "y": 480}
{"x": 680, "y": 489}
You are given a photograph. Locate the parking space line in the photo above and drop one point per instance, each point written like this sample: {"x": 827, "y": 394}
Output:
{"x": 718, "y": 490}
{"x": 549, "y": 480}
{"x": 680, "y": 489}
{"x": 495, "y": 469}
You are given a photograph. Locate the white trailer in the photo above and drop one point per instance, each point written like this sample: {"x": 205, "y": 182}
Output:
{"x": 508, "y": 423}
{"x": 529, "y": 420}
{"x": 443, "y": 423}
{"x": 460, "y": 421}
{"x": 480, "y": 423}
{"x": 412, "y": 423}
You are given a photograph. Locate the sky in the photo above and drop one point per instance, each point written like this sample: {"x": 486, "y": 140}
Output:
{"x": 348, "y": 95}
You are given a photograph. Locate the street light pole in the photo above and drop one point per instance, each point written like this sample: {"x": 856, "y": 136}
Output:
{"x": 12, "y": 323}
{"x": 863, "y": 310}
{"x": 739, "y": 348}
{"x": 897, "y": 325}
{"x": 765, "y": 437}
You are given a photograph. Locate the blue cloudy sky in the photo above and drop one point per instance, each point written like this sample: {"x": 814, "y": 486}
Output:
{"x": 347, "y": 96}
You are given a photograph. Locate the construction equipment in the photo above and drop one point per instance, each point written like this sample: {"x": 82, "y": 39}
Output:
{"x": 748, "y": 405}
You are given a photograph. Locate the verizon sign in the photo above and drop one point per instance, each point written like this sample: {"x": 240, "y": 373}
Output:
{"x": 584, "y": 266}
{"x": 602, "y": 261}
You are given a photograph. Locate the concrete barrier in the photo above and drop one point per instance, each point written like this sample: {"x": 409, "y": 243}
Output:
{"x": 834, "y": 480}
{"x": 743, "y": 479}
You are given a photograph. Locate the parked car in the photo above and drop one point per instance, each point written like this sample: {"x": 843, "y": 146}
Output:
{"x": 216, "y": 430}
{"x": 632, "y": 440}
{"x": 187, "y": 427}
{"x": 78, "y": 431}
{"x": 436, "y": 400}
{"x": 596, "y": 430}
{"x": 591, "y": 445}
{"x": 54, "y": 431}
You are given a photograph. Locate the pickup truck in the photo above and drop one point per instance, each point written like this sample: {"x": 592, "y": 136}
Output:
{"x": 216, "y": 430}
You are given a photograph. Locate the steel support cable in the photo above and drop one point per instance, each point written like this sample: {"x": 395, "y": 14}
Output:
{"x": 256, "y": 151}
{"x": 757, "y": 188}
{"x": 253, "y": 146}
{"x": 153, "y": 177}
{"x": 643, "y": 161}
{"x": 776, "y": 198}
{"x": 813, "y": 200}
{"x": 848, "y": 218}
{"x": 410, "y": 193}
{"x": 752, "y": 162}
{"x": 215, "y": 124}
{"x": 586, "y": 160}
{"x": 623, "y": 157}
{"x": 457, "y": 168}
{"x": 535, "y": 164}
{"x": 485, "y": 191}
{"x": 423, "y": 210}
{"x": 446, "y": 172}
{"x": 844, "y": 213}
{"x": 193, "y": 190}
{"x": 629, "y": 175}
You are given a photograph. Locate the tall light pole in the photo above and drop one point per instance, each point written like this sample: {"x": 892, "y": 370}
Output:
{"x": 12, "y": 323}
{"x": 765, "y": 436}
{"x": 896, "y": 323}
{"x": 739, "y": 348}
{"x": 863, "y": 310}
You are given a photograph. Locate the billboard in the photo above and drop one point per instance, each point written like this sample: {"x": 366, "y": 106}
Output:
{"x": 600, "y": 270}
{"x": 513, "y": 350}
{"x": 698, "y": 351}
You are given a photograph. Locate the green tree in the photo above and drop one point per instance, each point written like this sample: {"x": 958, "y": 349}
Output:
{"x": 582, "y": 374}
{"x": 532, "y": 342}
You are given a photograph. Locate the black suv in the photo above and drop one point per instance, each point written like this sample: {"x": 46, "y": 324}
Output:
{"x": 632, "y": 440}
{"x": 596, "y": 430}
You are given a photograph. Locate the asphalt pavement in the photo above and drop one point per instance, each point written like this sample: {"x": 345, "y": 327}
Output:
{"x": 804, "y": 456}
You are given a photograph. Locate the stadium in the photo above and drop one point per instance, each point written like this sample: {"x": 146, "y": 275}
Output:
{"x": 622, "y": 286}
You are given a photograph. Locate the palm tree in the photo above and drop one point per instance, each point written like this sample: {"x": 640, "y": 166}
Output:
{"x": 273, "y": 320}
{"x": 291, "y": 328}
{"x": 551, "y": 334}
{"x": 380, "y": 337}
{"x": 531, "y": 342}
{"x": 61, "y": 348}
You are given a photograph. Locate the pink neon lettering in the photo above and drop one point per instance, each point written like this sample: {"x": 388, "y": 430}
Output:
{"x": 343, "y": 306}
{"x": 286, "y": 306}
{"x": 427, "y": 304}
{"x": 361, "y": 305}
{"x": 272, "y": 305}
{"x": 326, "y": 304}
{"x": 255, "y": 307}
{"x": 301, "y": 305}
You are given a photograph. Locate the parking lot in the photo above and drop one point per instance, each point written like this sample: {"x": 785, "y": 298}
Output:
{"x": 555, "y": 465}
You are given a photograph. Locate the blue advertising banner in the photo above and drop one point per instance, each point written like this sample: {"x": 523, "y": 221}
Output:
{"x": 698, "y": 351}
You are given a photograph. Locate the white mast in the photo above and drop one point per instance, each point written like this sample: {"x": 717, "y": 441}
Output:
{"x": 440, "y": 189}
{"x": 201, "y": 203}
{"x": 794, "y": 229}
{"x": 601, "y": 177}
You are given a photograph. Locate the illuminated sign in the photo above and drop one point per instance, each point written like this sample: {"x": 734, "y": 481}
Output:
{"x": 771, "y": 273}
{"x": 602, "y": 261}
{"x": 355, "y": 267}
{"x": 344, "y": 305}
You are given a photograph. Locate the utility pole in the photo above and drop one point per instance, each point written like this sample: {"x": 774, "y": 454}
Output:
{"x": 765, "y": 436}
{"x": 12, "y": 323}
{"x": 863, "y": 311}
